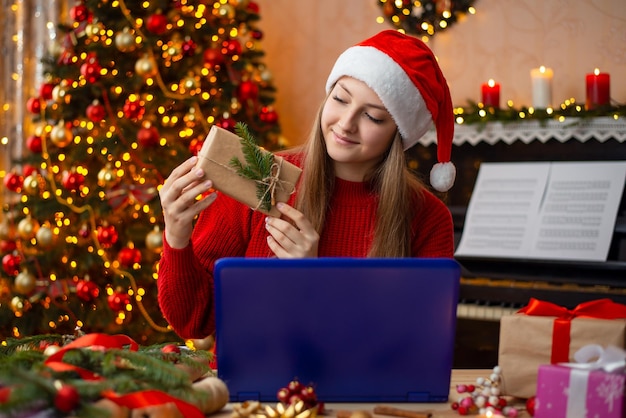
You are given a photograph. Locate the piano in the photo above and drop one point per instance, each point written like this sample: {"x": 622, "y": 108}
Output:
{"x": 493, "y": 287}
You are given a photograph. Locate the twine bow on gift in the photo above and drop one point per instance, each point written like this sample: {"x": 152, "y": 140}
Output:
{"x": 123, "y": 193}
{"x": 597, "y": 309}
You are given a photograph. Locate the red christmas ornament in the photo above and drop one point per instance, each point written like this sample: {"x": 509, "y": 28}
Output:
{"x": 247, "y": 90}
{"x": 231, "y": 47}
{"x": 133, "y": 109}
{"x": 148, "y": 136}
{"x": 87, "y": 290}
{"x": 79, "y": 13}
{"x": 96, "y": 112}
{"x": 213, "y": 57}
{"x": 11, "y": 264}
{"x": 72, "y": 181}
{"x": 28, "y": 169}
{"x": 91, "y": 70}
{"x": 253, "y": 7}
{"x": 268, "y": 115}
{"x": 170, "y": 348}
{"x": 34, "y": 143}
{"x": 7, "y": 246}
{"x": 196, "y": 145}
{"x": 256, "y": 34}
{"x": 5, "y": 394}
{"x": 189, "y": 47}
{"x": 13, "y": 181}
{"x": 45, "y": 90}
{"x": 118, "y": 300}
{"x": 107, "y": 235}
{"x": 33, "y": 105}
{"x": 157, "y": 23}
{"x": 129, "y": 256}
{"x": 530, "y": 406}
{"x": 66, "y": 399}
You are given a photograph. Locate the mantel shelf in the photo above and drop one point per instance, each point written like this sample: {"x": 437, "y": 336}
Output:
{"x": 582, "y": 129}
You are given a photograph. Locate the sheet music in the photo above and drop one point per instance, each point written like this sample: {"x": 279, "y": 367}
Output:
{"x": 543, "y": 210}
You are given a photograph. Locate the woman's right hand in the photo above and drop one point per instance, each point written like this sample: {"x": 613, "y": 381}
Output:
{"x": 180, "y": 202}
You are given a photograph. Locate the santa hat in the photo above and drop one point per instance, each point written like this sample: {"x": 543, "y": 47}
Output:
{"x": 405, "y": 74}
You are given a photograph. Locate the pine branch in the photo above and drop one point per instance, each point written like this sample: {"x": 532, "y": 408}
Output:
{"x": 259, "y": 165}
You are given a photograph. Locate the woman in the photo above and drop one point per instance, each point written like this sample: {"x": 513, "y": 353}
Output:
{"x": 356, "y": 197}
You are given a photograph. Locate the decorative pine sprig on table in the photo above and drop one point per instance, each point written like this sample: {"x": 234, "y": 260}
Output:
{"x": 259, "y": 165}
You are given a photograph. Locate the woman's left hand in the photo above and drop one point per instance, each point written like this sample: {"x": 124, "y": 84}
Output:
{"x": 291, "y": 240}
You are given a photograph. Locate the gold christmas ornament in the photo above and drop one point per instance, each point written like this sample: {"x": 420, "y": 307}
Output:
{"x": 19, "y": 305}
{"x": 60, "y": 93}
{"x": 33, "y": 184}
{"x": 154, "y": 240}
{"x": 27, "y": 228}
{"x": 45, "y": 237}
{"x": 60, "y": 135}
{"x": 145, "y": 66}
{"x": 107, "y": 177}
{"x": 25, "y": 283}
{"x": 125, "y": 40}
{"x": 93, "y": 29}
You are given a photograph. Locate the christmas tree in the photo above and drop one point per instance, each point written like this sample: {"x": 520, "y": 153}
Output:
{"x": 131, "y": 90}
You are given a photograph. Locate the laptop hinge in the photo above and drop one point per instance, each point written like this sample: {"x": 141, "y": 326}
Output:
{"x": 246, "y": 396}
{"x": 418, "y": 397}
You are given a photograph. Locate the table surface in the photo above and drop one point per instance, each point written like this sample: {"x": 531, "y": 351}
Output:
{"x": 436, "y": 410}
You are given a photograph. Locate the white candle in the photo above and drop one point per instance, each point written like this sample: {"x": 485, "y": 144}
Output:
{"x": 541, "y": 79}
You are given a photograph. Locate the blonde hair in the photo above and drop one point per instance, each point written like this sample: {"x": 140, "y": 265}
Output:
{"x": 398, "y": 190}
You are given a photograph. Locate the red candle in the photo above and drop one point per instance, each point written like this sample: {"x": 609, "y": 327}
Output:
{"x": 598, "y": 89}
{"x": 491, "y": 94}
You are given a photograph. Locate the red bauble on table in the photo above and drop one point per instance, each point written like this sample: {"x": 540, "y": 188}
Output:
{"x": 67, "y": 398}
{"x": 148, "y": 136}
{"x": 530, "y": 406}
{"x": 157, "y": 23}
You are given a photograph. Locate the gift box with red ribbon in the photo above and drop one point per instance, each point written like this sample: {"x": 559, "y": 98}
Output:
{"x": 546, "y": 333}
{"x": 584, "y": 389}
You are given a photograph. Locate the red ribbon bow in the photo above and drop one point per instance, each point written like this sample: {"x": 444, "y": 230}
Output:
{"x": 598, "y": 309}
{"x": 133, "y": 400}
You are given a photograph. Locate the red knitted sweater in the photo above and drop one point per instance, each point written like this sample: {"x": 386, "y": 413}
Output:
{"x": 230, "y": 229}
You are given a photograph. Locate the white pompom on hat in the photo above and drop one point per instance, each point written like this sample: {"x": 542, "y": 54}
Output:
{"x": 405, "y": 75}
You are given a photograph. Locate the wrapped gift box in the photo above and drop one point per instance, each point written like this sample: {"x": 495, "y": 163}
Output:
{"x": 218, "y": 150}
{"x": 528, "y": 341}
{"x": 565, "y": 392}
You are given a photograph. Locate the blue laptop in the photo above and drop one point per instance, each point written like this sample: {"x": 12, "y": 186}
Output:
{"x": 358, "y": 330}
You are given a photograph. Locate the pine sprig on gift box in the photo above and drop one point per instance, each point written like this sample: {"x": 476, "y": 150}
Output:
{"x": 259, "y": 165}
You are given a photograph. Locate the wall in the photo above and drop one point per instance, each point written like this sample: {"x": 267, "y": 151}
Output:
{"x": 504, "y": 40}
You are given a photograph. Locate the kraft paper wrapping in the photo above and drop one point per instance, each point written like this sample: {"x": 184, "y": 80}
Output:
{"x": 526, "y": 343}
{"x": 219, "y": 147}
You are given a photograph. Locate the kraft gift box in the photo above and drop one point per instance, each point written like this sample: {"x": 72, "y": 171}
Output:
{"x": 528, "y": 341}
{"x": 215, "y": 156}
